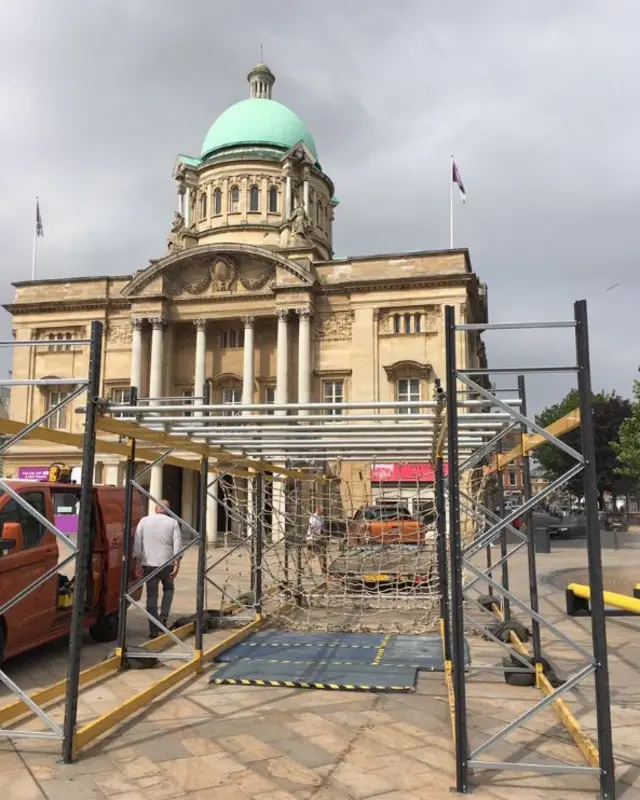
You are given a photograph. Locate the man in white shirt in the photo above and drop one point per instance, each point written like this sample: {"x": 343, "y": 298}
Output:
{"x": 317, "y": 540}
{"x": 158, "y": 541}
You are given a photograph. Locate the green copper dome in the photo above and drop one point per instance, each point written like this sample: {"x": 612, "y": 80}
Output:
{"x": 257, "y": 121}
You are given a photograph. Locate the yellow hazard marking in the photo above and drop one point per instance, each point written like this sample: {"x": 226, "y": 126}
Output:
{"x": 381, "y": 649}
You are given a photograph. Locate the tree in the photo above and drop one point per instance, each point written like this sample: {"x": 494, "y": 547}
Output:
{"x": 627, "y": 447}
{"x": 609, "y": 413}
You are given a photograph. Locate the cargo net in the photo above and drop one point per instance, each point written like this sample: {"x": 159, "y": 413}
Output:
{"x": 339, "y": 552}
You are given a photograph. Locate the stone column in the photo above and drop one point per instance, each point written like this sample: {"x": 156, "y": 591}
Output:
{"x": 155, "y": 391}
{"x": 247, "y": 372}
{"x": 201, "y": 361}
{"x": 282, "y": 358}
{"x": 304, "y": 356}
{"x": 136, "y": 354}
{"x": 286, "y": 206}
{"x": 187, "y": 207}
{"x": 306, "y": 176}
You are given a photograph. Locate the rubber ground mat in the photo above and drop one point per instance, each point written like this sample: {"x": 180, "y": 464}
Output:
{"x": 307, "y": 647}
{"x": 423, "y": 652}
{"x": 357, "y": 678}
{"x": 342, "y": 649}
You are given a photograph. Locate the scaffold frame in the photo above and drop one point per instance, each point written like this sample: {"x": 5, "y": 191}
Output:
{"x": 599, "y": 760}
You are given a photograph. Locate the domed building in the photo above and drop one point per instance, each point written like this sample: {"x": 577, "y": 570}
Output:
{"x": 247, "y": 298}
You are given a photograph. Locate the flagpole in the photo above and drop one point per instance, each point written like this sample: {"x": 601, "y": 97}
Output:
{"x": 451, "y": 203}
{"x": 34, "y": 255}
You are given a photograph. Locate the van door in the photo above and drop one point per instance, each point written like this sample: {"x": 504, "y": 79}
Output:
{"x": 30, "y": 621}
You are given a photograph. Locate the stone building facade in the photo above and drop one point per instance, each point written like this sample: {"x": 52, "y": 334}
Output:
{"x": 247, "y": 297}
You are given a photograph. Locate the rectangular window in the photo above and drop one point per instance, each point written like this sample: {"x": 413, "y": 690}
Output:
{"x": 333, "y": 392}
{"x": 408, "y": 390}
{"x": 58, "y": 420}
{"x": 232, "y": 338}
{"x": 512, "y": 477}
{"x": 270, "y": 396}
{"x": 32, "y": 530}
{"x": 120, "y": 395}
{"x": 232, "y": 397}
{"x": 188, "y": 401}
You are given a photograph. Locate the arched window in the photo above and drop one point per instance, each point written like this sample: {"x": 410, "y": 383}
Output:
{"x": 254, "y": 199}
{"x": 417, "y": 324}
{"x": 203, "y": 206}
{"x": 217, "y": 202}
{"x": 234, "y": 200}
{"x": 273, "y": 200}
{"x": 396, "y": 323}
{"x": 407, "y": 323}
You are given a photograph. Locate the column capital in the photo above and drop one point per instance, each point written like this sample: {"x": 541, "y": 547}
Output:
{"x": 137, "y": 323}
{"x": 304, "y": 313}
{"x": 282, "y": 313}
{"x": 201, "y": 324}
{"x": 158, "y": 323}
{"x": 248, "y": 321}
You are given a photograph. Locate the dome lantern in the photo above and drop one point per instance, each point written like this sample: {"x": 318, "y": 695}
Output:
{"x": 261, "y": 81}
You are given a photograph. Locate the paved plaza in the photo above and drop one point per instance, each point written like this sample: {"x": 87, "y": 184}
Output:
{"x": 201, "y": 741}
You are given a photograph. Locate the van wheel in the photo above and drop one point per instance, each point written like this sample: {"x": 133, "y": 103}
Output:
{"x": 105, "y": 629}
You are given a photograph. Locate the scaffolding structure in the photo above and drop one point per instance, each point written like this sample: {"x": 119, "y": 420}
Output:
{"x": 279, "y": 460}
{"x": 466, "y": 574}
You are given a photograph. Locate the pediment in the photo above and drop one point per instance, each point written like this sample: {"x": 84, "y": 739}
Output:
{"x": 222, "y": 268}
{"x": 300, "y": 153}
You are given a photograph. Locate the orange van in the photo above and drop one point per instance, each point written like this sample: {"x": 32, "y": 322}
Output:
{"x": 28, "y": 551}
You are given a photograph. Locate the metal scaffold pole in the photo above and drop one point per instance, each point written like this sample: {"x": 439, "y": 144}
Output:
{"x": 531, "y": 541}
{"x": 127, "y": 539}
{"x": 85, "y": 535}
{"x": 455, "y": 534}
{"x": 594, "y": 558}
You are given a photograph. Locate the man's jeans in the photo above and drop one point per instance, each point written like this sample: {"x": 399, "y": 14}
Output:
{"x": 153, "y": 585}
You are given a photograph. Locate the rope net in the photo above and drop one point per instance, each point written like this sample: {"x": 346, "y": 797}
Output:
{"x": 352, "y": 550}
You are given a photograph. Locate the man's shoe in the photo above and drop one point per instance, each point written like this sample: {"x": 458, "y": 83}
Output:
{"x": 164, "y": 621}
{"x": 154, "y": 633}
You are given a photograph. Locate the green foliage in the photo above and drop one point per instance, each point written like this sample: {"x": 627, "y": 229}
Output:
{"x": 627, "y": 448}
{"x": 609, "y": 413}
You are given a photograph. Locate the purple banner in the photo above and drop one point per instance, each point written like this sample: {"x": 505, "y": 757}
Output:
{"x": 33, "y": 473}
{"x": 66, "y": 523}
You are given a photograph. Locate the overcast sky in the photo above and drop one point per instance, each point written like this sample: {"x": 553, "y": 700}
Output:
{"x": 537, "y": 100}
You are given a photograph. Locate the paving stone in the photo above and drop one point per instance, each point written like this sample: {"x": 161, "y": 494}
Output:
{"x": 286, "y": 774}
{"x": 81, "y": 787}
{"x": 17, "y": 784}
{"x": 162, "y": 748}
{"x": 201, "y": 772}
{"x": 360, "y": 783}
{"x": 247, "y": 748}
{"x": 305, "y": 752}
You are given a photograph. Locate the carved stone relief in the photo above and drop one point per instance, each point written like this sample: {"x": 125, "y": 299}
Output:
{"x": 256, "y": 276}
{"x": 335, "y": 326}
{"x": 224, "y": 274}
{"x": 120, "y": 334}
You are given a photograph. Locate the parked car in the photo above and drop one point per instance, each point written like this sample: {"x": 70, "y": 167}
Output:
{"x": 386, "y": 568}
{"x": 572, "y": 526}
{"x": 614, "y": 521}
{"x": 385, "y": 525}
{"x": 29, "y": 550}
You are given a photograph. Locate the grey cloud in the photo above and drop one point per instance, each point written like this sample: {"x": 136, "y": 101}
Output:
{"x": 537, "y": 101}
